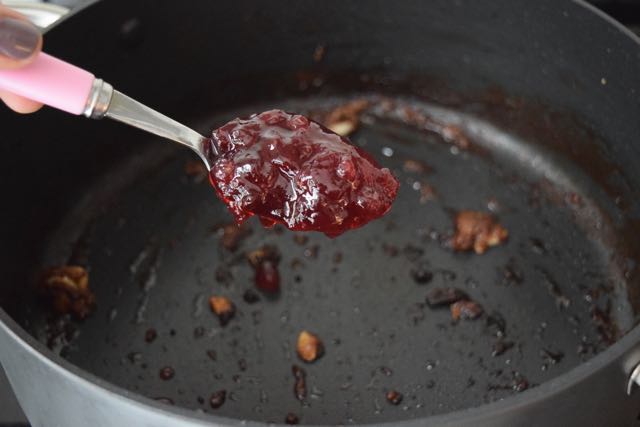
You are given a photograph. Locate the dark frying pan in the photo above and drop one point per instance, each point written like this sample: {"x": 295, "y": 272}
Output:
{"x": 545, "y": 92}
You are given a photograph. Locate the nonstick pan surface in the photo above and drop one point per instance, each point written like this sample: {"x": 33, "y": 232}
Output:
{"x": 150, "y": 235}
{"x": 553, "y": 161}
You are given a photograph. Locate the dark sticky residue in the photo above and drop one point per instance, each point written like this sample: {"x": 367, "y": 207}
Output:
{"x": 300, "y": 382}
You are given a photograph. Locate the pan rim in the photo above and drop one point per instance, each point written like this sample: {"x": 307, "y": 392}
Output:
{"x": 617, "y": 353}
{"x": 544, "y": 391}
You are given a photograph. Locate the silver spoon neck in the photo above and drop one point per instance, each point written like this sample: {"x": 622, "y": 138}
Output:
{"x": 104, "y": 101}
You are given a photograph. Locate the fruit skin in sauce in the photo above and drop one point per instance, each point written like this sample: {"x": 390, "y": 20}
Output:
{"x": 287, "y": 169}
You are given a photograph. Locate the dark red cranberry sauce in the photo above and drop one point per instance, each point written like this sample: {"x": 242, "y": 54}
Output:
{"x": 290, "y": 170}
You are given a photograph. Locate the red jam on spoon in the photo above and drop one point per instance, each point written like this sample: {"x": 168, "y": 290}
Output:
{"x": 288, "y": 169}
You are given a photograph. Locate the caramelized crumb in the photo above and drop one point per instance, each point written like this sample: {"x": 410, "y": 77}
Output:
{"x": 167, "y": 373}
{"x": 519, "y": 383}
{"x": 232, "y": 235}
{"x": 309, "y": 347}
{"x": 68, "y": 288}
{"x": 465, "y": 309}
{"x": 291, "y": 419}
{"x": 223, "y": 308}
{"x": 345, "y": 119}
{"x": 265, "y": 253}
{"x": 217, "y": 399}
{"x": 478, "y": 231}
{"x": 394, "y": 397}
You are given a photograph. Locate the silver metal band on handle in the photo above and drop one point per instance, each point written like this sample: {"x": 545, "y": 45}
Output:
{"x": 99, "y": 99}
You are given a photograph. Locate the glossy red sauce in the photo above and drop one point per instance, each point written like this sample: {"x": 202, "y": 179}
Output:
{"x": 287, "y": 169}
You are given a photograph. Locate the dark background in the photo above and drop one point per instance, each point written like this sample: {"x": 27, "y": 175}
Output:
{"x": 625, "y": 11}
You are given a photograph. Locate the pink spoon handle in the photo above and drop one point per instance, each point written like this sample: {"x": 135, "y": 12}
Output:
{"x": 74, "y": 90}
{"x": 51, "y": 81}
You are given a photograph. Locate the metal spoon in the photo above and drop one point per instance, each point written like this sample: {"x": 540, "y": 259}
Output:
{"x": 69, "y": 88}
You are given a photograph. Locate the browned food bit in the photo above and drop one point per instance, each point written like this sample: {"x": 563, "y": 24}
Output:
{"x": 300, "y": 385}
{"x": 150, "y": 335}
{"x": 444, "y": 296}
{"x": 427, "y": 192}
{"x": 265, "y": 253}
{"x": 345, "y": 119}
{"x": 465, "y": 309}
{"x": 291, "y": 419}
{"x": 68, "y": 288}
{"x": 519, "y": 383}
{"x": 309, "y": 347}
{"x": 167, "y": 373}
{"x": 394, "y": 397}
{"x": 196, "y": 170}
{"x": 318, "y": 53}
{"x": 232, "y": 235}
{"x": 421, "y": 275}
{"x": 478, "y": 231}
{"x": 416, "y": 166}
{"x": 217, "y": 399}
{"x": 223, "y": 308}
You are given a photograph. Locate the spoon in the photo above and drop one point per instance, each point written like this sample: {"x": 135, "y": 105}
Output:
{"x": 66, "y": 87}
{"x": 287, "y": 169}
